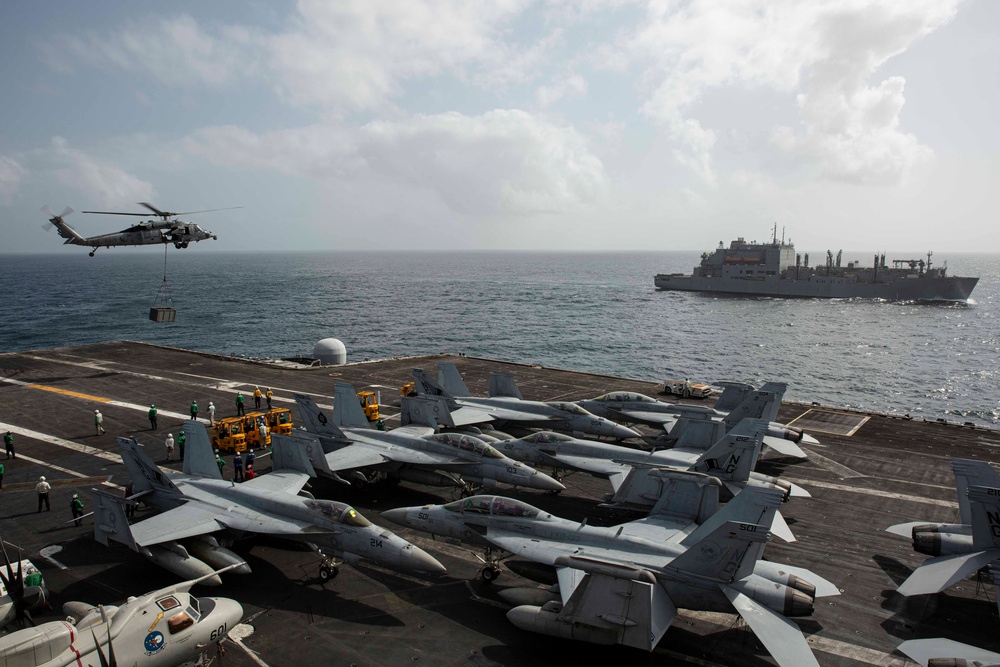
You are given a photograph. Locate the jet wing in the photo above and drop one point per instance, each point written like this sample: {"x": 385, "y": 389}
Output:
{"x": 644, "y": 417}
{"x": 780, "y": 636}
{"x": 466, "y": 416}
{"x": 785, "y": 447}
{"x": 937, "y": 574}
{"x": 281, "y": 481}
{"x": 366, "y": 452}
{"x": 641, "y": 607}
{"x": 602, "y": 467}
{"x": 925, "y": 650}
{"x": 188, "y": 520}
{"x": 415, "y": 430}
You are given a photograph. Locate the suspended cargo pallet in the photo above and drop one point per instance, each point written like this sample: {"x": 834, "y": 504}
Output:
{"x": 163, "y": 314}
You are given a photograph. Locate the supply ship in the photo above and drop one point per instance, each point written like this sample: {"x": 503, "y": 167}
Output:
{"x": 775, "y": 269}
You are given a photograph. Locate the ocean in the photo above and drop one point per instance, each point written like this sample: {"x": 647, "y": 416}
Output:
{"x": 596, "y": 312}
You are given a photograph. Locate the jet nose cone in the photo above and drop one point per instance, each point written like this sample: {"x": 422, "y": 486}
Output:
{"x": 228, "y": 611}
{"x": 397, "y": 516}
{"x": 623, "y": 432}
{"x": 416, "y": 559}
{"x": 542, "y": 481}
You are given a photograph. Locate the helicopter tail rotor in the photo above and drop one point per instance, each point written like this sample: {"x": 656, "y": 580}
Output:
{"x": 55, "y": 220}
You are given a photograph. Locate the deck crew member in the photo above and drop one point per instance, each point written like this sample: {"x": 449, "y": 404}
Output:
{"x": 43, "y": 489}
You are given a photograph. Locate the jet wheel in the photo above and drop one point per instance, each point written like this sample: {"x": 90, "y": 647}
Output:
{"x": 328, "y": 572}
{"x": 490, "y": 573}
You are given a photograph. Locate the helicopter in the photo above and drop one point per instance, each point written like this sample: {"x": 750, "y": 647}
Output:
{"x": 168, "y": 229}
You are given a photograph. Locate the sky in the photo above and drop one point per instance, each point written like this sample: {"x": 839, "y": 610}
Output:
{"x": 510, "y": 124}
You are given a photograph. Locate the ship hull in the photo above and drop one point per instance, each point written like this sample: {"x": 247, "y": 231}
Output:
{"x": 950, "y": 288}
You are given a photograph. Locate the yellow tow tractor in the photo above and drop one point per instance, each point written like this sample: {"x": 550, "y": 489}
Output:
{"x": 408, "y": 389}
{"x": 236, "y": 434}
{"x": 369, "y": 404}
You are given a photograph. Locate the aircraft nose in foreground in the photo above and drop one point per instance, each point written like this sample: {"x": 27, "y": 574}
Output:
{"x": 416, "y": 559}
{"x": 224, "y": 612}
{"x": 544, "y": 482}
{"x": 620, "y": 432}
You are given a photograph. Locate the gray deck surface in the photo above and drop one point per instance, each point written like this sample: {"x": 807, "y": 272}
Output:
{"x": 889, "y": 471}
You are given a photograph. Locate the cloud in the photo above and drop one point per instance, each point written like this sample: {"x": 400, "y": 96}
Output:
{"x": 832, "y": 48}
{"x": 571, "y": 85}
{"x": 176, "y": 50}
{"x": 108, "y": 184}
{"x": 12, "y": 175}
{"x": 503, "y": 161}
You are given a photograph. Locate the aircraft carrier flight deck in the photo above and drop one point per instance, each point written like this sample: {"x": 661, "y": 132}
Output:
{"x": 869, "y": 471}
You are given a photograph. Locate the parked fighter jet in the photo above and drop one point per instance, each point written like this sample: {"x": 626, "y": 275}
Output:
{"x": 168, "y": 229}
{"x": 958, "y": 550}
{"x": 731, "y": 459}
{"x": 624, "y": 584}
{"x": 506, "y": 405}
{"x": 687, "y": 424}
{"x": 413, "y": 453}
{"x": 199, "y": 504}
{"x": 168, "y": 627}
{"x": 22, "y": 590}
{"x": 948, "y": 653}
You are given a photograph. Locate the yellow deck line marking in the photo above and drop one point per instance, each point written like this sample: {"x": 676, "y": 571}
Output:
{"x": 67, "y": 392}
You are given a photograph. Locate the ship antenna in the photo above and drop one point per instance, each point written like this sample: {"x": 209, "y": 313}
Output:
{"x": 774, "y": 235}
{"x": 782, "y": 235}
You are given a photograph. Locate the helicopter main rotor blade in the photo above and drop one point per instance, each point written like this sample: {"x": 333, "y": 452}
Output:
{"x": 207, "y": 210}
{"x": 141, "y": 215}
{"x": 162, "y": 214}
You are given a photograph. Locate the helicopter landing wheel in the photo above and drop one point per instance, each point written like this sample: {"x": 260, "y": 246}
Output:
{"x": 92, "y": 252}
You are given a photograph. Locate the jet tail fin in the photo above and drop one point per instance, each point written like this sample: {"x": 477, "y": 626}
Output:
{"x": 685, "y": 495}
{"x": 735, "y": 455}
{"x": 347, "y": 411}
{"x": 758, "y": 405}
{"x": 110, "y": 522}
{"x": 430, "y": 411}
{"x": 451, "y": 380}
{"x": 985, "y": 508}
{"x": 316, "y": 420}
{"x": 502, "y": 384}
{"x": 290, "y": 454}
{"x": 146, "y": 475}
{"x": 971, "y": 473}
{"x": 733, "y": 393}
{"x": 726, "y": 547}
{"x": 199, "y": 458}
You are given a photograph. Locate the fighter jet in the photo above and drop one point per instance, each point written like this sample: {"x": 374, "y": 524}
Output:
{"x": 506, "y": 405}
{"x": 624, "y": 584}
{"x": 945, "y": 652}
{"x": 414, "y": 452}
{"x": 168, "y": 627}
{"x": 731, "y": 459}
{"x": 694, "y": 423}
{"x": 958, "y": 550}
{"x": 199, "y": 505}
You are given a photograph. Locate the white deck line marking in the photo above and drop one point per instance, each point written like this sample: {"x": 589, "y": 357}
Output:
{"x": 809, "y": 483}
{"x": 46, "y": 553}
{"x": 68, "y": 444}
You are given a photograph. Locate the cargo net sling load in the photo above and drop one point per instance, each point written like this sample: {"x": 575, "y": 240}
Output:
{"x": 162, "y": 309}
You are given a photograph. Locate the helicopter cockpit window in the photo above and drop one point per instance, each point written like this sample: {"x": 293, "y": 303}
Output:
{"x": 179, "y": 622}
{"x": 168, "y": 603}
{"x": 510, "y": 507}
